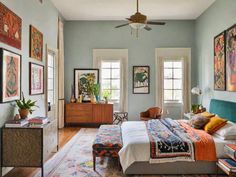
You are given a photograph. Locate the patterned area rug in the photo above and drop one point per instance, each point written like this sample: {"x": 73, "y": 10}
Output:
{"x": 75, "y": 160}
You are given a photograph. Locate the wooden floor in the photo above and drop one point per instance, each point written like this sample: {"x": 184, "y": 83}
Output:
{"x": 65, "y": 135}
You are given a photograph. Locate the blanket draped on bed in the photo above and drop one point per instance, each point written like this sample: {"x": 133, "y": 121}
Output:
{"x": 172, "y": 140}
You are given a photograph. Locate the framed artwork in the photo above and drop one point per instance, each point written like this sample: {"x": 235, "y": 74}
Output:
{"x": 36, "y": 81}
{"x": 82, "y": 77}
{"x": 36, "y": 44}
{"x": 219, "y": 62}
{"x": 10, "y": 77}
{"x": 231, "y": 58}
{"x": 10, "y": 27}
{"x": 141, "y": 79}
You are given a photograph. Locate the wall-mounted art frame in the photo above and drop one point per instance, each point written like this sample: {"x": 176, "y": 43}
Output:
{"x": 219, "y": 62}
{"x": 81, "y": 79}
{"x": 231, "y": 58}
{"x": 10, "y": 77}
{"x": 10, "y": 27}
{"x": 141, "y": 79}
{"x": 36, "y": 79}
{"x": 36, "y": 44}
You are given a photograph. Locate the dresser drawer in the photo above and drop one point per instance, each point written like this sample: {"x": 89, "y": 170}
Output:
{"x": 79, "y": 107}
{"x": 75, "y": 119}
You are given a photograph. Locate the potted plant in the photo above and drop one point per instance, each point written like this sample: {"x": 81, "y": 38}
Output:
{"x": 96, "y": 91}
{"x": 25, "y": 107}
{"x": 106, "y": 94}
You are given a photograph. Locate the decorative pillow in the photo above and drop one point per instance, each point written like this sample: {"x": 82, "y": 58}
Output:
{"x": 199, "y": 121}
{"x": 227, "y": 132}
{"x": 207, "y": 114}
{"x": 214, "y": 124}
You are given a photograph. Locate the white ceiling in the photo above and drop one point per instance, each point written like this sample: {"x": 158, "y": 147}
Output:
{"x": 121, "y": 9}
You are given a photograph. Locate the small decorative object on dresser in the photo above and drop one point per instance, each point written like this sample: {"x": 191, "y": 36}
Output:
{"x": 36, "y": 44}
{"x": 141, "y": 79}
{"x": 36, "y": 81}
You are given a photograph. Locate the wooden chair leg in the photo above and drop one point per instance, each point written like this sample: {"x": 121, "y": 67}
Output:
{"x": 94, "y": 162}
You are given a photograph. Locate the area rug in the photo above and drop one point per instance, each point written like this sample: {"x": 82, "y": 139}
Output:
{"x": 75, "y": 160}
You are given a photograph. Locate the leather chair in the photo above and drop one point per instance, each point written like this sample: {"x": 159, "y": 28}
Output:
{"x": 151, "y": 113}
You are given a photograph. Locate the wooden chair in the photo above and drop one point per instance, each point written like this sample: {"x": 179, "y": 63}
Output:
{"x": 151, "y": 113}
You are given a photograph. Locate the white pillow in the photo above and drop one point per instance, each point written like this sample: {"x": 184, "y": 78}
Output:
{"x": 227, "y": 132}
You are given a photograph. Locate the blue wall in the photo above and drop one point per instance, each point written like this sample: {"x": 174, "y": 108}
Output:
{"x": 82, "y": 37}
{"x": 220, "y": 16}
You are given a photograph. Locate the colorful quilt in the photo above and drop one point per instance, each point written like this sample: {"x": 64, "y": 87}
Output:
{"x": 172, "y": 140}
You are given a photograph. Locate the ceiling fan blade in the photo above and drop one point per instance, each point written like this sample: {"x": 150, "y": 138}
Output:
{"x": 129, "y": 19}
{"x": 155, "y": 23}
{"x": 122, "y": 25}
{"x": 147, "y": 28}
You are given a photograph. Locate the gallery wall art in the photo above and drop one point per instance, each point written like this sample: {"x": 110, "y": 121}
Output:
{"x": 10, "y": 78}
{"x": 219, "y": 62}
{"x": 141, "y": 79}
{"x": 82, "y": 78}
{"x": 36, "y": 73}
{"x": 10, "y": 27}
{"x": 36, "y": 44}
{"x": 231, "y": 58}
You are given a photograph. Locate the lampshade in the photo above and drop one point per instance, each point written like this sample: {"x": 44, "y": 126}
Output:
{"x": 196, "y": 91}
{"x": 137, "y": 25}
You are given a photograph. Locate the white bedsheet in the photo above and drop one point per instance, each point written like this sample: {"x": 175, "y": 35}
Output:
{"x": 136, "y": 146}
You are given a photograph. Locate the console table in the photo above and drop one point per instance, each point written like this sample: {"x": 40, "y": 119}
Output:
{"x": 88, "y": 113}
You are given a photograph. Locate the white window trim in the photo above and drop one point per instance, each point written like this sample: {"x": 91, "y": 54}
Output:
{"x": 111, "y": 55}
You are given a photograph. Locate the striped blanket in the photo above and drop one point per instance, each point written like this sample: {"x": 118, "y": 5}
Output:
{"x": 172, "y": 140}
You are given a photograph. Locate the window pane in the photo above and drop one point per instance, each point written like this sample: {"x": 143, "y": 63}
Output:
{"x": 115, "y": 84}
{"x": 167, "y": 64}
{"x": 167, "y": 73}
{"x": 50, "y": 84}
{"x": 115, "y": 65}
{"x": 51, "y": 97}
{"x": 177, "y": 64}
{"x": 177, "y": 73}
{"x": 115, "y": 94}
{"x": 168, "y": 84}
{"x": 106, "y": 84}
{"x": 106, "y": 73}
{"x": 50, "y": 60}
{"x": 106, "y": 65}
{"x": 50, "y": 73}
{"x": 115, "y": 73}
{"x": 167, "y": 94}
{"x": 177, "y": 84}
{"x": 178, "y": 95}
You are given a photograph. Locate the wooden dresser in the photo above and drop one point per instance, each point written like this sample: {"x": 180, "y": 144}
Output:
{"x": 88, "y": 113}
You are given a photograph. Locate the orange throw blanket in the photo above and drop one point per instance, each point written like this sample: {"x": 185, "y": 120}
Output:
{"x": 204, "y": 145}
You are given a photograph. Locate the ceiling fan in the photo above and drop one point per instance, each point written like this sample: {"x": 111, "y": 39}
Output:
{"x": 139, "y": 21}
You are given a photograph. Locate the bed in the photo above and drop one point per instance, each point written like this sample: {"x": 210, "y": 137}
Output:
{"x": 135, "y": 154}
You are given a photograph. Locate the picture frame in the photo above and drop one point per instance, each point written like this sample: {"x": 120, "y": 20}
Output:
{"x": 231, "y": 59}
{"x": 141, "y": 79}
{"x": 10, "y": 77}
{"x": 36, "y": 44}
{"x": 36, "y": 79}
{"x": 81, "y": 79}
{"x": 220, "y": 62}
{"x": 10, "y": 34}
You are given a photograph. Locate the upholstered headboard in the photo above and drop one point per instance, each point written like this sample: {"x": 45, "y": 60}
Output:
{"x": 224, "y": 109}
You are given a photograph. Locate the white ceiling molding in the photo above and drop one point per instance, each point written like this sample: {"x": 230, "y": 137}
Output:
{"x": 121, "y": 9}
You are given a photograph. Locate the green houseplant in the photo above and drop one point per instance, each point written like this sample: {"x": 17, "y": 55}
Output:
{"x": 96, "y": 91}
{"x": 106, "y": 94}
{"x": 25, "y": 107}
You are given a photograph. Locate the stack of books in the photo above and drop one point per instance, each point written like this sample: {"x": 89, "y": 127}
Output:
{"x": 229, "y": 164}
{"x": 38, "y": 121}
{"x": 16, "y": 123}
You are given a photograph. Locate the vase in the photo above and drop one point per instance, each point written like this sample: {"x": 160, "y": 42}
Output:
{"x": 23, "y": 113}
{"x": 92, "y": 99}
{"x": 97, "y": 98}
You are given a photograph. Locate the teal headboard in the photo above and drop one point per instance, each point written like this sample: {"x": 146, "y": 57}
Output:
{"x": 224, "y": 109}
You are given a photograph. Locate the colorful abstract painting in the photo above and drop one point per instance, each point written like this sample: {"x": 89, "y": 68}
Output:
{"x": 36, "y": 79}
{"x": 36, "y": 44}
{"x": 231, "y": 58}
{"x": 10, "y": 27}
{"x": 10, "y": 80}
{"x": 219, "y": 62}
{"x": 141, "y": 79}
{"x": 82, "y": 79}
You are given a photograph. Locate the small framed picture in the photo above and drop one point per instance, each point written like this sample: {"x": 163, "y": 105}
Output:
{"x": 36, "y": 81}
{"x": 10, "y": 77}
{"x": 141, "y": 79}
{"x": 36, "y": 44}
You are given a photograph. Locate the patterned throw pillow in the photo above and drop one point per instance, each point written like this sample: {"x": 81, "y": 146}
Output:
{"x": 199, "y": 121}
{"x": 214, "y": 124}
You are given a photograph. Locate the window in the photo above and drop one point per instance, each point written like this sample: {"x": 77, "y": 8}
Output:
{"x": 111, "y": 81}
{"x": 51, "y": 79}
{"x": 173, "y": 81}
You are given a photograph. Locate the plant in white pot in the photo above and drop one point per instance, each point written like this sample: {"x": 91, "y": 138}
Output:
{"x": 25, "y": 107}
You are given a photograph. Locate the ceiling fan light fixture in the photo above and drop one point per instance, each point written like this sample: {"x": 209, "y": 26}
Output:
{"x": 137, "y": 25}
